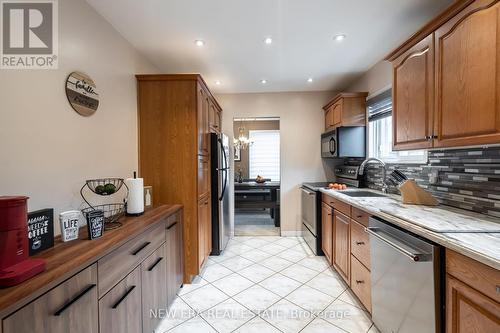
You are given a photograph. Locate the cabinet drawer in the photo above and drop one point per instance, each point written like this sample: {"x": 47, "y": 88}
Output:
{"x": 116, "y": 265}
{"x": 341, "y": 206}
{"x": 120, "y": 309}
{"x": 361, "y": 283}
{"x": 69, "y": 307}
{"x": 360, "y": 216}
{"x": 480, "y": 277}
{"x": 360, "y": 243}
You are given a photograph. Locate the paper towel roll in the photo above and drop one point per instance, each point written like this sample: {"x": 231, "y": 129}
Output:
{"x": 135, "y": 202}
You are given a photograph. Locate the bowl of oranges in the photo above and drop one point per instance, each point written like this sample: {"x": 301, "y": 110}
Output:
{"x": 337, "y": 186}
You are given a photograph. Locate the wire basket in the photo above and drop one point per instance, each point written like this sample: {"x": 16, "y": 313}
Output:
{"x": 112, "y": 213}
{"x": 105, "y": 186}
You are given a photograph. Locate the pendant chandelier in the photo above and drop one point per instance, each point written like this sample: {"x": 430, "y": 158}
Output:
{"x": 242, "y": 141}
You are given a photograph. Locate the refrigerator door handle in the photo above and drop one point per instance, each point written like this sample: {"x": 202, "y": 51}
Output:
{"x": 225, "y": 168}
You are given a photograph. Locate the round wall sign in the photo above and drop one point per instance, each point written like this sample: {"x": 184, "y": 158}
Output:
{"x": 82, "y": 93}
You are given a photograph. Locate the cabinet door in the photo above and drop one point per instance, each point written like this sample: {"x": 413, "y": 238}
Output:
{"x": 204, "y": 229}
{"x": 203, "y": 122}
{"x": 69, "y": 307}
{"x": 468, "y": 77}
{"x": 175, "y": 267}
{"x": 120, "y": 310}
{"x": 327, "y": 231}
{"x": 214, "y": 118}
{"x": 341, "y": 253}
{"x": 413, "y": 101}
{"x": 329, "y": 118}
{"x": 203, "y": 175}
{"x": 361, "y": 282}
{"x": 337, "y": 113}
{"x": 154, "y": 289}
{"x": 360, "y": 243}
{"x": 469, "y": 311}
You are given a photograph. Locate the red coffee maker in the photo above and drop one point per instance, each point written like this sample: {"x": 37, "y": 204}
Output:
{"x": 15, "y": 264}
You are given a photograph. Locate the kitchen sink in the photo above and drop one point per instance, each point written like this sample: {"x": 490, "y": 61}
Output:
{"x": 363, "y": 194}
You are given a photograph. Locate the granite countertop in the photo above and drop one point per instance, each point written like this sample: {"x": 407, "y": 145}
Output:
{"x": 481, "y": 242}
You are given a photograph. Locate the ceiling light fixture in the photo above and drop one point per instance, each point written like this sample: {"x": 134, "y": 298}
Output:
{"x": 217, "y": 82}
{"x": 339, "y": 38}
{"x": 268, "y": 40}
{"x": 199, "y": 43}
{"x": 263, "y": 81}
{"x": 310, "y": 80}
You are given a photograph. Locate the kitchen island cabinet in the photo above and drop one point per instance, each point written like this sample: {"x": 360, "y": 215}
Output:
{"x": 109, "y": 284}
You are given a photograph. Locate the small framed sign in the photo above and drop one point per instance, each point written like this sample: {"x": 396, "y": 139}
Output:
{"x": 82, "y": 93}
{"x": 69, "y": 225}
{"x": 40, "y": 230}
{"x": 95, "y": 223}
{"x": 148, "y": 196}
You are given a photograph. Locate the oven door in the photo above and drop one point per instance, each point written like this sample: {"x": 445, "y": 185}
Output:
{"x": 308, "y": 199}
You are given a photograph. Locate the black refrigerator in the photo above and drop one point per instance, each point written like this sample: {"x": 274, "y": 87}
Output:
{"x": 219, "y": 174}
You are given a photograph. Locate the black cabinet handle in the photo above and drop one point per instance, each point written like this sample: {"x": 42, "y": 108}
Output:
{"x": 360, "y": 243}
{"x": 136, "y": 252}
{"x": 123, "y": 297}
{"x": 172, "y": 225}
{"x": 80, "y": 295}
{"x": 154, "y": 265}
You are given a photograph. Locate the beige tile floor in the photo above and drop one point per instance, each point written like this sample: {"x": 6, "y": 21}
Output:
{"x": 266, "y": 284}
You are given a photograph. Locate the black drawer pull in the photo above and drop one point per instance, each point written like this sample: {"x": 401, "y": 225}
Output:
{"x": 360, "y": 243}
{"x": 156, "y": 263}
{"x": 123, "y": 297}
{"x": 80, "y": 295}
{"x": 360, "y": 281}
{"x": 136, "y": 252}
{"x": 172, "y": 225}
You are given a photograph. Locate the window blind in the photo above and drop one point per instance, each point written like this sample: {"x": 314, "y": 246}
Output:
{"x": 264, "y": 154}
{"x": 380, "y": 106}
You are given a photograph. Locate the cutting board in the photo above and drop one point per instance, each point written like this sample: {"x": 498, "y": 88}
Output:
{"x": 440, "y": 220}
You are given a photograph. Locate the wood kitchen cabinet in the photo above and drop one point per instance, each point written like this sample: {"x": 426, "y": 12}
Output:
{"x": 327, "y": 231}
{"x": 341, "y": 244}
{"x": 413, "y": 102}
{"x": 346, "y": 109}
{"x": 468, "y": 77}
{"x": 177, "y": 113}
{"x": 120, "y": 310}
{"x": 446, "y": 80}
{"x": 154, "y": 289}
{"x": 472, "y": 296}
{"x": 69, "y": 307}
{"x": 175, "y": 266}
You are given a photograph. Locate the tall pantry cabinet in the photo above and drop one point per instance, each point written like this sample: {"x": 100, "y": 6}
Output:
{"x": 176, "y": 114}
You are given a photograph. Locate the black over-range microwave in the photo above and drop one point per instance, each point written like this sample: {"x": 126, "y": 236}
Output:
{"x": 344, "y": 142}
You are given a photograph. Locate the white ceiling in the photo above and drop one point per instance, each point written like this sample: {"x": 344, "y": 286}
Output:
{"x": 234, "y": 32}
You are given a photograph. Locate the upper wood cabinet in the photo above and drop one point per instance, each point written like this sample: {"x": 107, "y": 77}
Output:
{"x": 413, "y": 89}
{"x": 346, "y": 109}
{"x": 203, "y": 120}
{"x": 215, "y": 117}
{"x": 446, "y": 80}
{"x": 468, "y": 77}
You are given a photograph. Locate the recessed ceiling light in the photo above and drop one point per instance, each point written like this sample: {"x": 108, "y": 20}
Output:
{"x": 339, "y": 38}
{"x": 268, "y": 40}
{"x": 199, "y": 42}
{"x": 310, "y": 80}
{"x": 263, "y": 81}
{"x": 217, "y": 82}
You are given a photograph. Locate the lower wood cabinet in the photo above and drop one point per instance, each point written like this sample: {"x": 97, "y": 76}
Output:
{"x": 154, "y": 289}
{"x": 204, "y": 229}
{"x": 341, "y": 244}
{"x": 69, "y": 307}
{"x": 120, "y": 310}
{"x": 174, "y": 255}
{"x": 327, "y": 231}
{"x": 361, "y": 282}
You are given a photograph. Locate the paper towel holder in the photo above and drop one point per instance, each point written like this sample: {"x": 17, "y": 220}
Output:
{"x": 142, "y": 198}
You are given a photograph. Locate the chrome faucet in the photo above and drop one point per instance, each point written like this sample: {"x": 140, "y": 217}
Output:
{"x": 384, "y": 171}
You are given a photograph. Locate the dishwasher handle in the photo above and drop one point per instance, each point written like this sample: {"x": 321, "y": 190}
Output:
{"x": 410, "y": 253}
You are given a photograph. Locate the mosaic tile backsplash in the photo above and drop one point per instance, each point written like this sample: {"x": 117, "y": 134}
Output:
{"x": 464, "y": 178}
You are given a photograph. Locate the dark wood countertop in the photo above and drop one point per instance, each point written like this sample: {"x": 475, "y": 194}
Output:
{"x": 66, "y": 259}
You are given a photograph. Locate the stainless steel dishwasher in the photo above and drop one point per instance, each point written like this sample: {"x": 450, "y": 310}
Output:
{"x": 405, "y": 277}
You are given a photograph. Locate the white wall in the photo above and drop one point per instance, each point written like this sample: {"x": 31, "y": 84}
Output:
{"x": 301, "y": 124}
{"x": 376, "y": 79}
{"x": 46, "y": 149}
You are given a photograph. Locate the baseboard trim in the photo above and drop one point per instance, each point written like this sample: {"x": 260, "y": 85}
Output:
{"x": 296, "y": 233}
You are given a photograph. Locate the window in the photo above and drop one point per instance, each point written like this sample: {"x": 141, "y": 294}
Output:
{"x": 264, "y": 154}
{"x": 380, "y": 133}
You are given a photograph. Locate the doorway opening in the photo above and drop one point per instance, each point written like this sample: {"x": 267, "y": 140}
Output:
{"x": 257, "y": 171}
